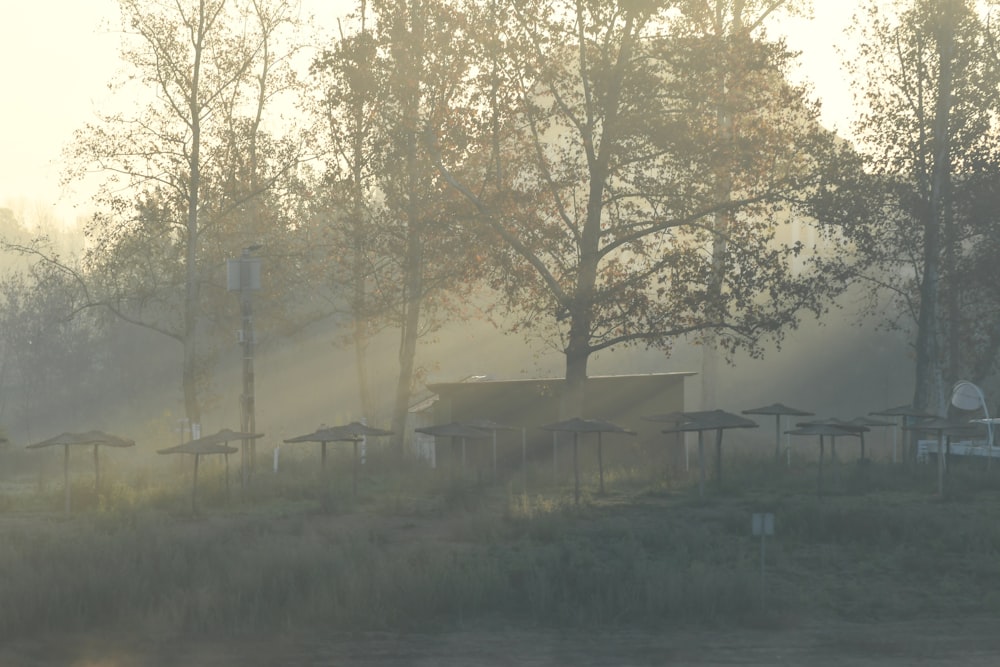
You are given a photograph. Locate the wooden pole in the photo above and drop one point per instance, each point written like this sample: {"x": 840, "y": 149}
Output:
{"x": 66, "y": 477}
{"x": 494, "y": 455}
{"x": 701, "y": 464}
{"x": 524, "y": 458}
{"x": 194, "y": 486}
{"x": 940, "y": 455}
{"x": 600, "y": 463}
{"x": 354, "y": 471}
{"x": 819, "y": 482}
{"x": 576, "y": 471}
{"x": 777, "y": 437}
{"x": 97, "y": 470}
{"x": 555, "y": 467}
{"x": 718, "y": 457}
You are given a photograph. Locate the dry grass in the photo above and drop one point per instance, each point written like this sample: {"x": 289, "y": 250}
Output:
{"x": 420, "y": 549}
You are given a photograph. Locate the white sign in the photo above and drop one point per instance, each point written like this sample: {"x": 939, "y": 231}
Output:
{"x": 763, "y": 524}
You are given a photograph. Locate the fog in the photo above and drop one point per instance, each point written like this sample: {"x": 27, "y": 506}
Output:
{"x": 834, "y": 368}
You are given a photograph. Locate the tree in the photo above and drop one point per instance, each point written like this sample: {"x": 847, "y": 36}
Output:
{"x": 349, "y": 77}
{"x": 737, "y": 71}
{"x": 52, "y": 358}
{"x": 389, "y": 213}
{"x": 608, "y": 187}
{"x": 929, "y": 96}
{"x": 192, "y": 174}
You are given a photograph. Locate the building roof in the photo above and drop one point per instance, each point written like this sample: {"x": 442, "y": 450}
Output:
{"x": 483, "y": 379}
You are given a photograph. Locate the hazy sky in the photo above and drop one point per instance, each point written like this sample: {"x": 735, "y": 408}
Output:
{"x": 56, "y": 59}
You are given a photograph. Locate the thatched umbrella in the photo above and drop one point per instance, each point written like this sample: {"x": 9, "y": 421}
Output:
{"x": 225, "y": 436}
{"x": 851, "y": 427}
{"x": 493, "y": 427}
{"x": 576, "y": 426}
{"x": 778, "y": 410}
{"x": 869, "y": 423}
{"x": 356, "y": 432}
{"x": 942, "y": 427}
{"x": 455, "y": 430}
{"x": 95, "y": 438}
{"x": 710, "y": 420}
{"x": 905, "y": 412}
{"x": 822, "y": 429}
{"x": 674, "y": 418}
{"x": 322, "y": 435}
{"x": 845, "y": 428}
{"x": 200, "y": 447}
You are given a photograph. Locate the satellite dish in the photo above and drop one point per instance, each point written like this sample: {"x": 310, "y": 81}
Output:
{"x": 967, "y": 396}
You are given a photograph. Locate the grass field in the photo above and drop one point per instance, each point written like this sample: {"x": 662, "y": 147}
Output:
{"x": 429, "y": 551}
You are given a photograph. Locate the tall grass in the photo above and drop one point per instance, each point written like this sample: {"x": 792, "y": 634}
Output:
{"x": 421, "y": 549}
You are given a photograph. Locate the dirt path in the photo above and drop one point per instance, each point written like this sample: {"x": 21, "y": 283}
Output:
{"x": 971, "y": 643}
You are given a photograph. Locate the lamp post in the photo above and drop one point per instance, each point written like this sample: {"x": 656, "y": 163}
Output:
{"x": 967, "y": 396}
{"x": 243, "y": 275}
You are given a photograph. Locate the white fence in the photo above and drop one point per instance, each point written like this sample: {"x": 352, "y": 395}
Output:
{"x": 925, "y": 448}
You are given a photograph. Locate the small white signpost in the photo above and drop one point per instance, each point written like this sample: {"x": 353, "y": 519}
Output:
{"x": 762, "y": 525}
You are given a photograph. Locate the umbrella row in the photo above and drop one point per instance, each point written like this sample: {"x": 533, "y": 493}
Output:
{"x": 680, "y": 422}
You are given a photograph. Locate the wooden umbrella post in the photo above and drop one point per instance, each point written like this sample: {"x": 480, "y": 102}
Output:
{"x": 194, "y": 486}
{"x": 718, "y": 457}
{"x": 701, "y": 464}
{"x": 576, "y": 471}
{"x": 97, "y": 471}
{"x": 494, "y": 455}
{"x": 600, "y": 464}
{"x": 354, "y": 473}
{"x": 819, "y": 481}
{"x": 66, "y": 492}
{"x": 576, "y": 426}
{"x": 777, "y": 437}
{"x": 524, "y": 459}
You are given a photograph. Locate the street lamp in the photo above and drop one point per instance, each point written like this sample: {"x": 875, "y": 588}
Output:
{"x": 967, "y": 396}
{"x": 243, "y": 275}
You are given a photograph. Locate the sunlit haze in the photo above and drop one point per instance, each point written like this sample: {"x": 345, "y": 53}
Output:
{"x": 59, "y": 56}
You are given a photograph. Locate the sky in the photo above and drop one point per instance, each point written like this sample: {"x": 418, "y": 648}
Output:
{"x": 57, "y": 57}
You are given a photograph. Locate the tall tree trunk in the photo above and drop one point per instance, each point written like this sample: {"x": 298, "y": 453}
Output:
{"x": 192, "y": 293}
{"x": 929, "y": 391}
{"x": 358, "y": 266}
{"x": 408, "y": 339}
{"x": 578, "y": 348}
{"x": 414, "y": 262}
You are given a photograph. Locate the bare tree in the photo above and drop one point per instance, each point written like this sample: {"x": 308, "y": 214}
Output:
{"x": 187, "y": 172}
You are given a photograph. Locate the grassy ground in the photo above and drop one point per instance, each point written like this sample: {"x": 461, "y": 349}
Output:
{"x": 418, "y": 550}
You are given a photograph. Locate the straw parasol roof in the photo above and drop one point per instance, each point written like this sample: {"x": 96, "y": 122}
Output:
{"x": 710, "y": 420}
{"x": 576, "y": 426}
{"x": 358, "y": 430}
{"x": 199, "y": 447}
{"x": 353, "y": 432}
{"x": 779, "y": 410}
{"x": 92, "y": 437}
{"x": 902, "y": 411}
{"x": 823, "y": 429}
{"x": 454, "y": 430}
{"x": 210, "y": 444}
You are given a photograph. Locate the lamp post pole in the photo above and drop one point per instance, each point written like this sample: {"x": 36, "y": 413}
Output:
{"x": 247, "y": 416}
{"x": 244, "y": 277}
